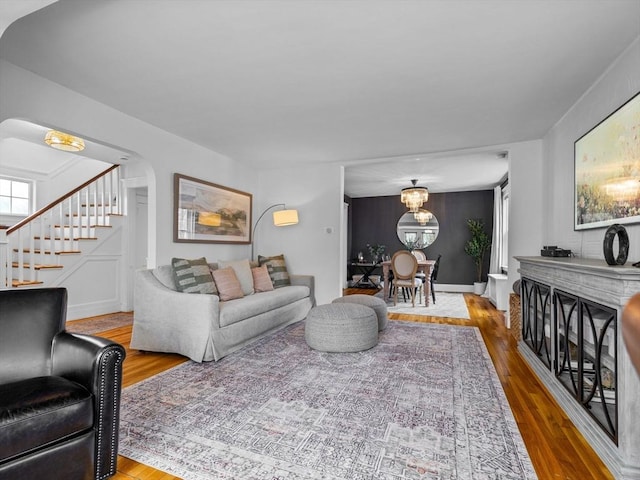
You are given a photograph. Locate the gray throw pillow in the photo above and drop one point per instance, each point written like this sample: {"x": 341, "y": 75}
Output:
{"x": 193, "y": 276}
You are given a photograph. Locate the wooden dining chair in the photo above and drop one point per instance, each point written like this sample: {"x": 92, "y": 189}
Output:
{"x": 405, "y": 266}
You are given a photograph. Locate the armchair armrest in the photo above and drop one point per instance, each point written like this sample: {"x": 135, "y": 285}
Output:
{"x": 308, "y": 281}
{"x": 95, "y": 363}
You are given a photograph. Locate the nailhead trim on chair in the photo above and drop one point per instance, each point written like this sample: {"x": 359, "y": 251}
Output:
{"x": 113, "y": 461}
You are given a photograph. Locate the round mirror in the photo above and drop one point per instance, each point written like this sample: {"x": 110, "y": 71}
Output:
{"x": 417, "y": 230}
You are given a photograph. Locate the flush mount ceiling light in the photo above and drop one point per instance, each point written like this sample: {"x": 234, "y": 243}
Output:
{"x": 63, "y": 141}
{"x": 413, "y": 197}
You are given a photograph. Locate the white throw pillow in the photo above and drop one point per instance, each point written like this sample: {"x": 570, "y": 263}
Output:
{"x": 243, "y": 272}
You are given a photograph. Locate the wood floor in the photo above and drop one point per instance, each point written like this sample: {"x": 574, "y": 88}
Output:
{"x": 556, "y": 448}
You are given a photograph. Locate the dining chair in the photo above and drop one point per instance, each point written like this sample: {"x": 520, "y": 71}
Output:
{"x": 405, "y": 266}
{"x": 434, "y": 277}
{"x": 421, "y": 257}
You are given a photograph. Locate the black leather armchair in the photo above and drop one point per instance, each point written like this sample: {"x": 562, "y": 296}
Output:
{"x": 59, "y": 392}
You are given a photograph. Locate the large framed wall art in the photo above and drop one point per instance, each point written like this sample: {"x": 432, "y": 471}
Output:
{"x": 607, "y": 170}
{"x": 208, "y": 213}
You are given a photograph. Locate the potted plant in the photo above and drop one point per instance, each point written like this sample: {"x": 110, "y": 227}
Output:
{"x": 476, "y": 248}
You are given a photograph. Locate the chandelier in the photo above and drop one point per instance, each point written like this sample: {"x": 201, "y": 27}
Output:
{"x": 413, "y": 197}
{"x": 423, "y": 216}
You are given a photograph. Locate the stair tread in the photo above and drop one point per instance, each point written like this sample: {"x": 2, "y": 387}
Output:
{"x": 66, "y": 238}
{"x": 24, "y": 283}
{"x": 48, "y": 252}
{"x": 37, "y": 266}
{"x": 83, "y": 226}
{"x": 83, "y": 215}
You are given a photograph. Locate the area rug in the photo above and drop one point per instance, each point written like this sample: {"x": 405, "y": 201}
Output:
{"x": 448, "y": 304}
{"x": 99, "y": 324}
{"x": 425, "y": 403}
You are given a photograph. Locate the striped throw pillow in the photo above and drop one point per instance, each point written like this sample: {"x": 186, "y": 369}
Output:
{"x": 192, "y": 276}
{"x": 277, "y": 270}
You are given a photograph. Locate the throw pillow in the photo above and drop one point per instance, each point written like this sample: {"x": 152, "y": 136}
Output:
{"x": 227, "y": 284}
{"x": 192, "y": 276}
{"x": 277, "y": 270}
{"x": 243, "y": 272}
{"x": 261, "y": 279}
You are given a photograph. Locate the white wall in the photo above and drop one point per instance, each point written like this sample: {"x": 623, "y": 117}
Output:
{"x": 313, "y": 246}
{"x": 617, "y": 85}
{"x": 525, "y": 202}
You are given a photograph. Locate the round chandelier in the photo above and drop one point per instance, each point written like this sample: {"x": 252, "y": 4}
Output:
{"x": 413, "y": 197}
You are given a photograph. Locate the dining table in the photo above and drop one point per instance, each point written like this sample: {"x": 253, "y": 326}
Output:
{"x": 425, "y": 266}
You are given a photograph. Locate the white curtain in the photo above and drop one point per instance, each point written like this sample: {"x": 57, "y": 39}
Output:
{"x": 496, "y": 240}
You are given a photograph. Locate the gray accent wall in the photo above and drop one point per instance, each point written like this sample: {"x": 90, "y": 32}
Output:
{"x": 372, "y": 220}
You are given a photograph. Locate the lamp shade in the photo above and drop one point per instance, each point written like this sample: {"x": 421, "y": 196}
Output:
{"x": 63, "y": 141}
{"x": 282, "y": 218}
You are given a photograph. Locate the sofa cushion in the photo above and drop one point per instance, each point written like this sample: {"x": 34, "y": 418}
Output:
{"x": 40, "y": 410}
{"x": 261, "y": 279}
{"x": 237, "y": 310}
{"x": 193, "y": 276}
{"x": 227, "y": 284}
{"x": 277, "y": 270}
{"x": 243, "y": 273}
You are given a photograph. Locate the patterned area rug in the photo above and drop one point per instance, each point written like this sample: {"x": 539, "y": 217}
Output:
{"x": 425, "y": 403}
{"x": 450, "y": 305}
{"x": 100, "y": 324}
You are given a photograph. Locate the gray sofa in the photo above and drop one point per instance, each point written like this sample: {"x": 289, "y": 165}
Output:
{"x": 201, "y": 326}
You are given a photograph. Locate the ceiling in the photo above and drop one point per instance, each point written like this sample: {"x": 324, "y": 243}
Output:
{"x": 394, "y": 90}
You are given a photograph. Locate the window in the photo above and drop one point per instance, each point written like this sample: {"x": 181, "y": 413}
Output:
{"x": 15, "y": 197}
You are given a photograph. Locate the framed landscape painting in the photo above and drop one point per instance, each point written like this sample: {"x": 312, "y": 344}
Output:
{"x": 208, "y": 213}
{"x": 607, "y": 170}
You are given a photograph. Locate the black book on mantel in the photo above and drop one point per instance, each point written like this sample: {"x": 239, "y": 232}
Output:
{"x": 554, "y": 251}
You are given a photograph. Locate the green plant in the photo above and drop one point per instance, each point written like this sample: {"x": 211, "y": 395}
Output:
{"x": 412, "y": 245}
{"x": 478, "y": 245}
{"x": 375, "y": 251}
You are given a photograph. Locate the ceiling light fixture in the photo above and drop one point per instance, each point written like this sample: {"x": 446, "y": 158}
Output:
{"x": 423, "y": 216}
{"x": 413, "y": 197}
{"x": 63, "y": 141}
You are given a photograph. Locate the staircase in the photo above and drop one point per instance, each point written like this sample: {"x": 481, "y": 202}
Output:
{"x": 36, "y": 250}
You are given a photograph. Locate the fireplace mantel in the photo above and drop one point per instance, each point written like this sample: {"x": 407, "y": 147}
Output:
{"x": 593, "y": 283}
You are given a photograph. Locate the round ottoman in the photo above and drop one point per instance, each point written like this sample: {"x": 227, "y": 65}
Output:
{"x": 341, "y": 327}
{"x": 379, "y": 306}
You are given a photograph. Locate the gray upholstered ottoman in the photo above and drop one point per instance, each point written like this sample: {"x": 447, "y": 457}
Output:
{"x": 341, "y": 327}
{"x": 379, "y": 306}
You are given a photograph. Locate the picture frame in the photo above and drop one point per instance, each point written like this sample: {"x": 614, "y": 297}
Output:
{"x": 206, "y": 212}
{"x": 607, "y": 170}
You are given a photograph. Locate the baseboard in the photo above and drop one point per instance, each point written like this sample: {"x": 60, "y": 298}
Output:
{"x": 76, "y": 312}
{"x": 443, "y": 287}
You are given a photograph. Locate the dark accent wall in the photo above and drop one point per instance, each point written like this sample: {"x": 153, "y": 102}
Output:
{"x": 372, "y": 220}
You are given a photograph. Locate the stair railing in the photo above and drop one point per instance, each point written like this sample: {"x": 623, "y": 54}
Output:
{"x": 58, "y": 226}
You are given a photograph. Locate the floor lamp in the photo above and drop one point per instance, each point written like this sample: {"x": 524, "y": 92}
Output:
{"x": 281, "y": 218}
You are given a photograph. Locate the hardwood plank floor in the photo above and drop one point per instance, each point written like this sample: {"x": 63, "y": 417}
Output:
{"x": 556, "y": 447}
